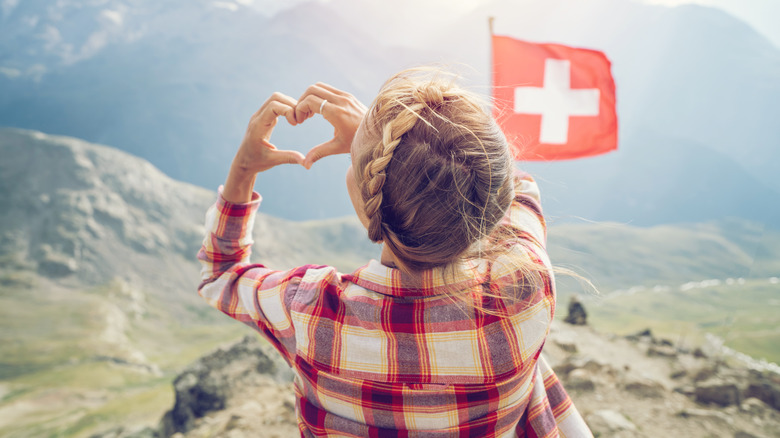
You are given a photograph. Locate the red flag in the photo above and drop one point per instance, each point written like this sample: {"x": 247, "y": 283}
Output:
{"x": 553, "y": 102}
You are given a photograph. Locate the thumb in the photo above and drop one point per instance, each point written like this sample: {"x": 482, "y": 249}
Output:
{"x": 289, "y": 157}
{"x": 322, "y": 150}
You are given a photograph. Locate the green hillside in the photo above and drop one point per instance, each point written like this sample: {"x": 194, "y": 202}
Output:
{"x": 619, "y": 256}
{"x": 746, "y": 315}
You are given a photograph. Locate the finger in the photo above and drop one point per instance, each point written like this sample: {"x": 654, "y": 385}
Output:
{"x": 308, "y": 106}
{"x": 274, "y": 109}
{"x": 286, "y": 101}
{"x": 320, "y": 151}
{"x": 287, "y": 157}
{"x": 321, "y": 94}
{"x": 333, "y": 89}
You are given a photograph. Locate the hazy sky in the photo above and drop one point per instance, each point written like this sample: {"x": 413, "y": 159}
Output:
{"x": 762, "y": 15}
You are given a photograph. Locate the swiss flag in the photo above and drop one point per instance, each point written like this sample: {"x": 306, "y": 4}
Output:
{"x": 553, "y": 102}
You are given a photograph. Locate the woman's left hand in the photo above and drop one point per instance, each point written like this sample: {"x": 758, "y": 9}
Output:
{"x": 256, "y": 152}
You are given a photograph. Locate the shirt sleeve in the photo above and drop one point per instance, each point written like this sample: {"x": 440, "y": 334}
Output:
{"x": 524, "y": 215}
{"x": 250, "y": 293}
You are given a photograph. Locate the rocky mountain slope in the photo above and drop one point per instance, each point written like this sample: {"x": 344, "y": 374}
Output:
{"x": 84, "y": 214}
{"x": 634, "y": 386}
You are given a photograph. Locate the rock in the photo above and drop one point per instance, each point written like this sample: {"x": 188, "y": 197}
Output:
{"x": 206, "y": 385}
{"x": 743, "y": 434}
{"x": 662, "y": 350}
{"x": 645, "y": 334}
{"x": 678, "y": 371}
{"x": 705, "y": 373}
{"x": 122, "y": 432}
{"x": 646, "y": 388}
{"x": 754, "y": 407}
{"x": 607, "y": 423}
{"x": 565, "y": 345}
{"x": 688, "y": 391}
{"x": 580, "y": 380}
{"x": 592, "y": 366}
{"x": 765, "y": 387}
{"x": 706, "y": 414}
{"x": 577, "y": 314}
{"x": 717, "y": 392}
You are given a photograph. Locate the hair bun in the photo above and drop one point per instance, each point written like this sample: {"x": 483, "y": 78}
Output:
{"x": 430, "y": 94}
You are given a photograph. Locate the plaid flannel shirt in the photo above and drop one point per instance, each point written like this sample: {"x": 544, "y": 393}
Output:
{"x": 374, "y": 357}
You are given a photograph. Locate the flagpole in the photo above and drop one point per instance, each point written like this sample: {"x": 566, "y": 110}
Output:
{"x": 491, "y": 19}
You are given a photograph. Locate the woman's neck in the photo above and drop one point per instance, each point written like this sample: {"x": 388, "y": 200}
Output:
{"x": 387, "y": 257}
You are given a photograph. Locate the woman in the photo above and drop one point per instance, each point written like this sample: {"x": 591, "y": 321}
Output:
{"x": 443, "y": 336}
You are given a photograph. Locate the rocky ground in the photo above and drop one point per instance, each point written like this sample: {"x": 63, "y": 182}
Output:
{"x": 634, "y": 386}
{"x": 641, "y": 386}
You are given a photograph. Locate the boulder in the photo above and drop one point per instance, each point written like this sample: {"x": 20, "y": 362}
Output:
{"x": 755, "y": 407}
{"x": 718, "y": 392}
{"x": 580, "y": 380}
{"x": 764, "y": 386}
{"x": 662, "y": 350}
{"x": 642, "y": 335}
{"x": 577, "y": 314}
{"x": 610, "y": 423}
{"x": 705, "y": 373}
{"x": 566, "y": 345}
{"x": 646, "y": 388}
{"x": 207, "y": 385}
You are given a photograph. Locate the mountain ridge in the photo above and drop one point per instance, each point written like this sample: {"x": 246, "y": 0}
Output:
{"x": 690, "y": 75}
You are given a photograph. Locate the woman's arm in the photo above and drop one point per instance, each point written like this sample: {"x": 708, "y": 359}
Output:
{"x": 253, "y": 293}
{"x": 525, "y": 212}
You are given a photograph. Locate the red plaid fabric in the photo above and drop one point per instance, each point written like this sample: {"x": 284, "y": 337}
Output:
{"x": 377, "y": 357}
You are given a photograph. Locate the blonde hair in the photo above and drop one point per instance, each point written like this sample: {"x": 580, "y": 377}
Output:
{"x": 439, "y": 177}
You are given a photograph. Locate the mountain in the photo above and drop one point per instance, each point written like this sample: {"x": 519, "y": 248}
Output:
{"x": 77, "y": 211}
{"x": 175, "y": 84}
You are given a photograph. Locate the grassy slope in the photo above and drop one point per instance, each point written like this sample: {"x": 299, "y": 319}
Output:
{"x": 627, "y": 264}
{"x": 746, "y": 316}
{"x": 54, "y": 377}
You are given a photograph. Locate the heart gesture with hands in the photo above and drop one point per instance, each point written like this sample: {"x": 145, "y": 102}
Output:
{"x": 256, "y": 153}
{"x": 340, "y": 109}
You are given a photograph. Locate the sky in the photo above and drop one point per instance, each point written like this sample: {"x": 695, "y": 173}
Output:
{"x": 762, "y": 15}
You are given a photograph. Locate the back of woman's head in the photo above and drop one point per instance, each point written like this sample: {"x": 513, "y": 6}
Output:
{"x": 437, "y": 175}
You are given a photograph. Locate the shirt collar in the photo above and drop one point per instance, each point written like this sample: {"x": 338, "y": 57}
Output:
{"x": 389, "y": 281}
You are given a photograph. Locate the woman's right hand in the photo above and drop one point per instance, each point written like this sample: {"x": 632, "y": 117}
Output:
{"x": 340, "y": 109}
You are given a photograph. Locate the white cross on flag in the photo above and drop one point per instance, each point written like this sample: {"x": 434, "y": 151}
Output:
{"x": 552, "y": 101}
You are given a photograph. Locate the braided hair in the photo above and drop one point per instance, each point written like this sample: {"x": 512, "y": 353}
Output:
{"x": 439, "y": 176}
